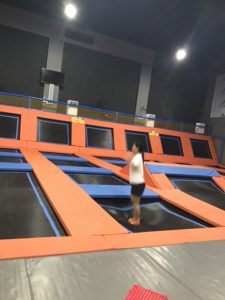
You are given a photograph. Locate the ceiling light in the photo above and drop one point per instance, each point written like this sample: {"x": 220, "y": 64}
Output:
{"x": 181, "y": 54}
{"x": 70, "y": 11}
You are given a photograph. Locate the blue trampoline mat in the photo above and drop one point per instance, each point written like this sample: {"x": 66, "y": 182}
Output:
{"x": 182, "y": 171}
{"x": 113, "y": 191}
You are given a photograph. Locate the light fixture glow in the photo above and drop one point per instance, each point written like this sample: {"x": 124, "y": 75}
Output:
{"x": 181, "y": 54}
{"x": 70, "y": 11}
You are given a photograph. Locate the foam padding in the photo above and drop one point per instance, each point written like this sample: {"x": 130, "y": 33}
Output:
{"x": 85, "y": 170}
{"x": 11, "y": 154}
{"x": 113, "y": 191}
{"x": 15, "y": 167}
{"x": 182, "y": 171}
{"x": 65, "y": 158}
{"x": 220, "y": 181}
{"x": 78, "y": 213}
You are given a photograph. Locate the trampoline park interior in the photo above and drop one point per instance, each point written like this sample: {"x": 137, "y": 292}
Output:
{"x": 65, "y": 198}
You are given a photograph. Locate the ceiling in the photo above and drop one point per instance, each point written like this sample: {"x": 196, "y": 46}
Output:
{"x": 161, "y": 25}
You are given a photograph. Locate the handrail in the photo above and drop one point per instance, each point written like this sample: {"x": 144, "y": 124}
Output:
{"x": 97, "y": 109}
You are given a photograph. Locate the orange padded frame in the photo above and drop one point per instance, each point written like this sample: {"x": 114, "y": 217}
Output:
{"x": 88, "y": 226}
{"x": 28, "y": 138}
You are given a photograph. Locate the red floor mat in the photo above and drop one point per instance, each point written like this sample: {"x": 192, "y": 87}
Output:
{"x": 139, "y": 293}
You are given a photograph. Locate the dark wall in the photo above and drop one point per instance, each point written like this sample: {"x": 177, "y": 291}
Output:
{"x": 178, "y": 90}
{"x": 100, "y": 80}
{"x": 22, "y": 55}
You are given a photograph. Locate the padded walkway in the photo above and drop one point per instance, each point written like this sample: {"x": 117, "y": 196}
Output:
{"x": 187, "y": 272}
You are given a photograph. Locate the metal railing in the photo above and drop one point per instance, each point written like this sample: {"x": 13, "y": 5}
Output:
{"x": 93, "y": 113}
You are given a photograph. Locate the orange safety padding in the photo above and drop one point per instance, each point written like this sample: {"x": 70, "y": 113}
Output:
{"x": 125, "y": 170}
{"x": 120, "y": 139}
{"x": 55, "y": 148}
{"x": 51, "y": 116}
{"x": 123, "y": 155}
{"x": 78, "y": 135}
{"x": 100, "y": 123}
{"x": 101, "y": 152}
{"x": 156, "y": 144}
{"x": 162, "y": 238}
{"x": 220, "y": 181}
{"x": 33, "y": 126}
{"x": 147, "y": 156}
{"x": 29, "y": 133}
{"x": 86, "y": 218}
{"x": 149, "y": 180}
{"x": 13, "y": 110}
{"x": 194, "y": 206}
{"x": 78, "y": 213}
{"x": 162, "y": 182}
{"x": 37, "y": 247}
{"x": 98, "y": 162}
{"x": 12, "y": 144}
{"x": 187, "y": 149}
{"x": 212, "y": 150}
{"x": 24, "y": 126}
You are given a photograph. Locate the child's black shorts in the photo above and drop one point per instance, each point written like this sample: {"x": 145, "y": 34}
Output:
{"x": 137, "y": 189}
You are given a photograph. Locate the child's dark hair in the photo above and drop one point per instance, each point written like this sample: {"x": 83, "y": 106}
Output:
{"x": 140, "y": 149}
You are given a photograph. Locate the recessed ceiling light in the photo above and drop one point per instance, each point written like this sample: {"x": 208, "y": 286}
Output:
{"x": 70, "y": 11}
{"x": 181, "y": 54}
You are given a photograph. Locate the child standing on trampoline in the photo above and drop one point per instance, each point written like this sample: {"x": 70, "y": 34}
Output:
{"x": 137, "y": 181}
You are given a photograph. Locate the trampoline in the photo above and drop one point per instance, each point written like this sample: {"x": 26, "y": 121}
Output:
{"x": 204, "y": 190}
{"x": 99, "y": 137}
{"x": 201, "y": 148}
{"x": 156, "y": 214}
{"x": 57, "y": 154}
{"x": 25, "y": 211}
{"x": 97, "y": 179}
{"x": 11, "y": 156}
{"x": 9, "y": 150}
{"x": 12, "y": 160}
{"x": 171, "y": 145}
{"x": 138, "y": 137}
{"x": 67, "y": 160}
{"x": 71, "y": 163}
{"x": 9, "y": 126}
{"x": 52, "y": 131}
